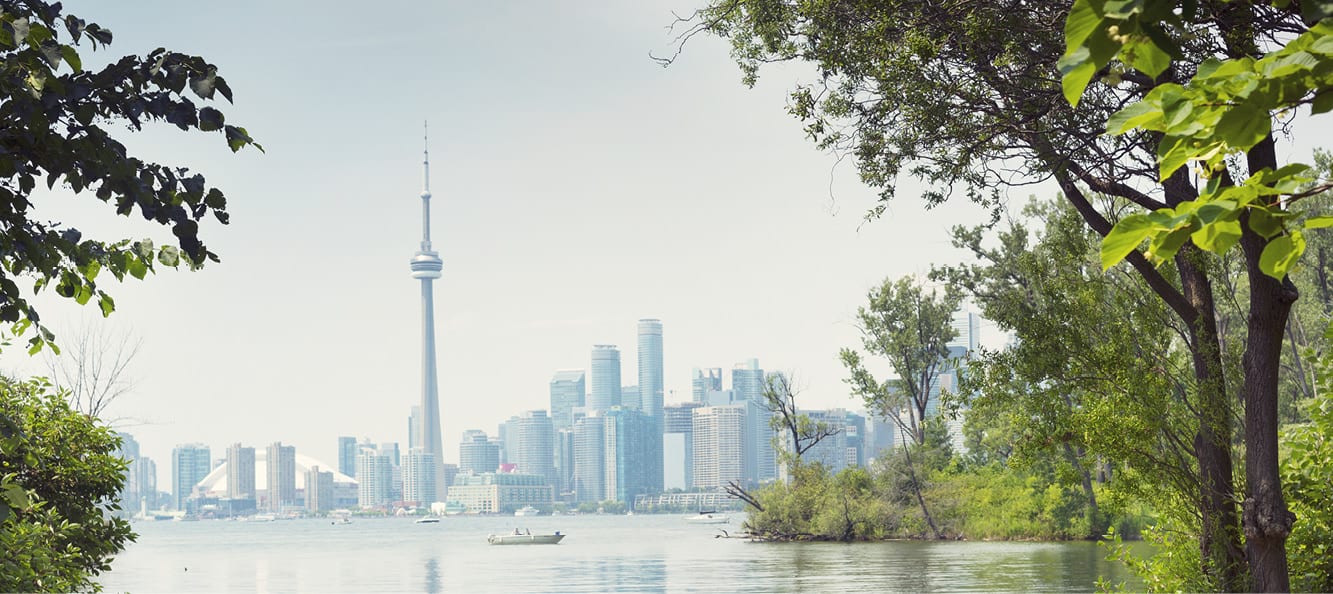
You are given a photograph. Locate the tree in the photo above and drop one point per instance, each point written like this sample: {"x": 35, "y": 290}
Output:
{"x": 61, "y": 469}
{"x": 797, "y": 430}
{"x": 91, "y": 368}
{"x": 967, "y": 96}
{"x": 1092, "y": 354}
{"x": 911, "y": 330}
{"x": 1221, "y": 120}
{"x": 55, "y": 118}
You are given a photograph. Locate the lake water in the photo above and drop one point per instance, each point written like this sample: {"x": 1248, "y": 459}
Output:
{"x": 643, "y": 553}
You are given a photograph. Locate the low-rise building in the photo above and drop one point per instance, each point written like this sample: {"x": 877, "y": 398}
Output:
{"x": 503, "y": 493}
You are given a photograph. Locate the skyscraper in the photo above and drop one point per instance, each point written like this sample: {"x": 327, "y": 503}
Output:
{"x": 568, "y": 390}
{"x": 240, "y": 472}
{"x": 281, "y": 462}
{"x": 536, "y": 446}
{"x": 605, "y": 391}
{"x": 650, "y": 368}
{"x": 651, "y": 393}
{"x": 678, "y": 445}
{"x": 477, "y": 454}
{"x": 719, "y": 446}
{"x": 418, "y": 477}
{"x": 703, "y": 381}
{"x": 426, "y": 266}
{"x": 347, "y": 456}
{"x": 589, "y": 465}
{"x": 375, "y": 485}
{"x": 413, "y": 422}
{"x": 628, "y": 438}
{"x": 190, "y": 463}
{"x": 318, "y": 490}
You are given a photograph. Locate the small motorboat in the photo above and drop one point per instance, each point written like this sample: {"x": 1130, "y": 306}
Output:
{"x": 428, "y": 520}
{"x": 708, "y": 517}
{"x": 525, "y": 539}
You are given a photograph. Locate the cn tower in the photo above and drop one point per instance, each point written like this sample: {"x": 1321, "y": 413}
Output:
{"x": 426, "y": 266}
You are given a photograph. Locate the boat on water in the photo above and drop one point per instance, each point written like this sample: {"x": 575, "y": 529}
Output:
{"x": 525, "y": 539}
{"x": 708, "y": 517}
{"x": 428, "y": 520}
{"x": 341, "y": 520}
{"x": 527, "y": 510}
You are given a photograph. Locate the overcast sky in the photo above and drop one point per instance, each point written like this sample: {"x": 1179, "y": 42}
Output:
{"x": 578, "y": 187}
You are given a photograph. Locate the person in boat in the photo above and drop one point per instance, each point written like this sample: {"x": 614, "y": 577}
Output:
{"x": 528, "y": 531}
{"x": 557, "y": 533}
{"x": 517, "y": 533}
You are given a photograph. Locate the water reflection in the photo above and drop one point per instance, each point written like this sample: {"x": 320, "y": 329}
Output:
{"x": 433, "y": 576}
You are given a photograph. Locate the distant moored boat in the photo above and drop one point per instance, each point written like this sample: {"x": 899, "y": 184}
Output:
{"x": 525, "y": 539}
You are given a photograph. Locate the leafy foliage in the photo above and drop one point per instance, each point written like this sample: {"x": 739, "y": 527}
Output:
{"x": 1307, "y": 476}
{"x": 54, "y": 129}
{"x": 61, "y": 478}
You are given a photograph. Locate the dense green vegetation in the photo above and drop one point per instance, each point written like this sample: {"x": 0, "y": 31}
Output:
{"x": 62, "y": 478}
{"x": 1156, "y": 120}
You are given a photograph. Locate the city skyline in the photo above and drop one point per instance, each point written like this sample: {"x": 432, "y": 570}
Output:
{"x": 622, "y": 191}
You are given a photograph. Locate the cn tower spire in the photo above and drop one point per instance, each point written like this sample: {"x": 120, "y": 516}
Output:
{"x": 426, "y": 267}
{"x": 425, "y": 187}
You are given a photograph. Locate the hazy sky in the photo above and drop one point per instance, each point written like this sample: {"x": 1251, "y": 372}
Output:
{"x": 578, "y": 187}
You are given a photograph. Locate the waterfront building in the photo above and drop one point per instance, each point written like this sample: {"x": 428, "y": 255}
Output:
{"x": 318, "y": 490}
{"x": 628, "y": 438}
{"x": 347, "y": 451}
{"x": 426, "y": 266}
{"x": 589, "y": 463}
{"x": 719, "y": 446}
{"x": 190, "y": 463}
{"x": 419, "y": 477}
{"x": 477, "y": 454}
{"x": 678, "y": 445}
{"x": 142, "y": 485}
{"x": 703, "y": 381}
{"x": 536, "y": 446}
{"x": 605, "y": 391}
{"x": 281, "y": 476}
{"x": 240, "y": 472}
{"x": 568, "y": 390}
{"x": 375, "y": 478}
{"x": 501, "y": 493}
{"x": 832, "y": 450}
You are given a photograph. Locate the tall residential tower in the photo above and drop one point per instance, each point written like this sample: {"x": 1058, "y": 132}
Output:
{"x": 426, "y": 266}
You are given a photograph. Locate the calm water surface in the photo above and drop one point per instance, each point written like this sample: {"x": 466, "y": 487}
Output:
{"x": 643, "y": 553}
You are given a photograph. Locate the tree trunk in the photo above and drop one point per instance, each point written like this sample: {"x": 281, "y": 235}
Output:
{"x": 1219, "y": 537}
{"x": 916, "y": 488}
{"x": 1085, "y": 476}
{"x": 1266, "y": 520}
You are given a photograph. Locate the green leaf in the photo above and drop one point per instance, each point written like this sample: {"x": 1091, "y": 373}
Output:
{"x": 1323, "y": 101}
{"x": 210, "y": 119}
{"x": 1142, "y": 54}
{"x": 1172, "y": 153}
{"x": 1265, "y": 223}
{"x": 137, "y": 268}
{"x": 1083, "y": 20}
{"x": 1136, "y": 115}
{"x": 1165, "y": 245}
{"x": 1243, "y": 126}
{"x": 1124, "y": 238}
{"x": 1076, "y": 70}
{"x": 1217, "y": 237}
{"x": 1281, "y": 253}
{"x": 169, "y": 256}
{"x": 106, "y": 304}
{"x": 72, "y": 57}
{"x": 1319, "y": 222}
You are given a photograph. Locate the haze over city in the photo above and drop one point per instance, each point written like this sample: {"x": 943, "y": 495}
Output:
{"x": 578, "y": 188}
